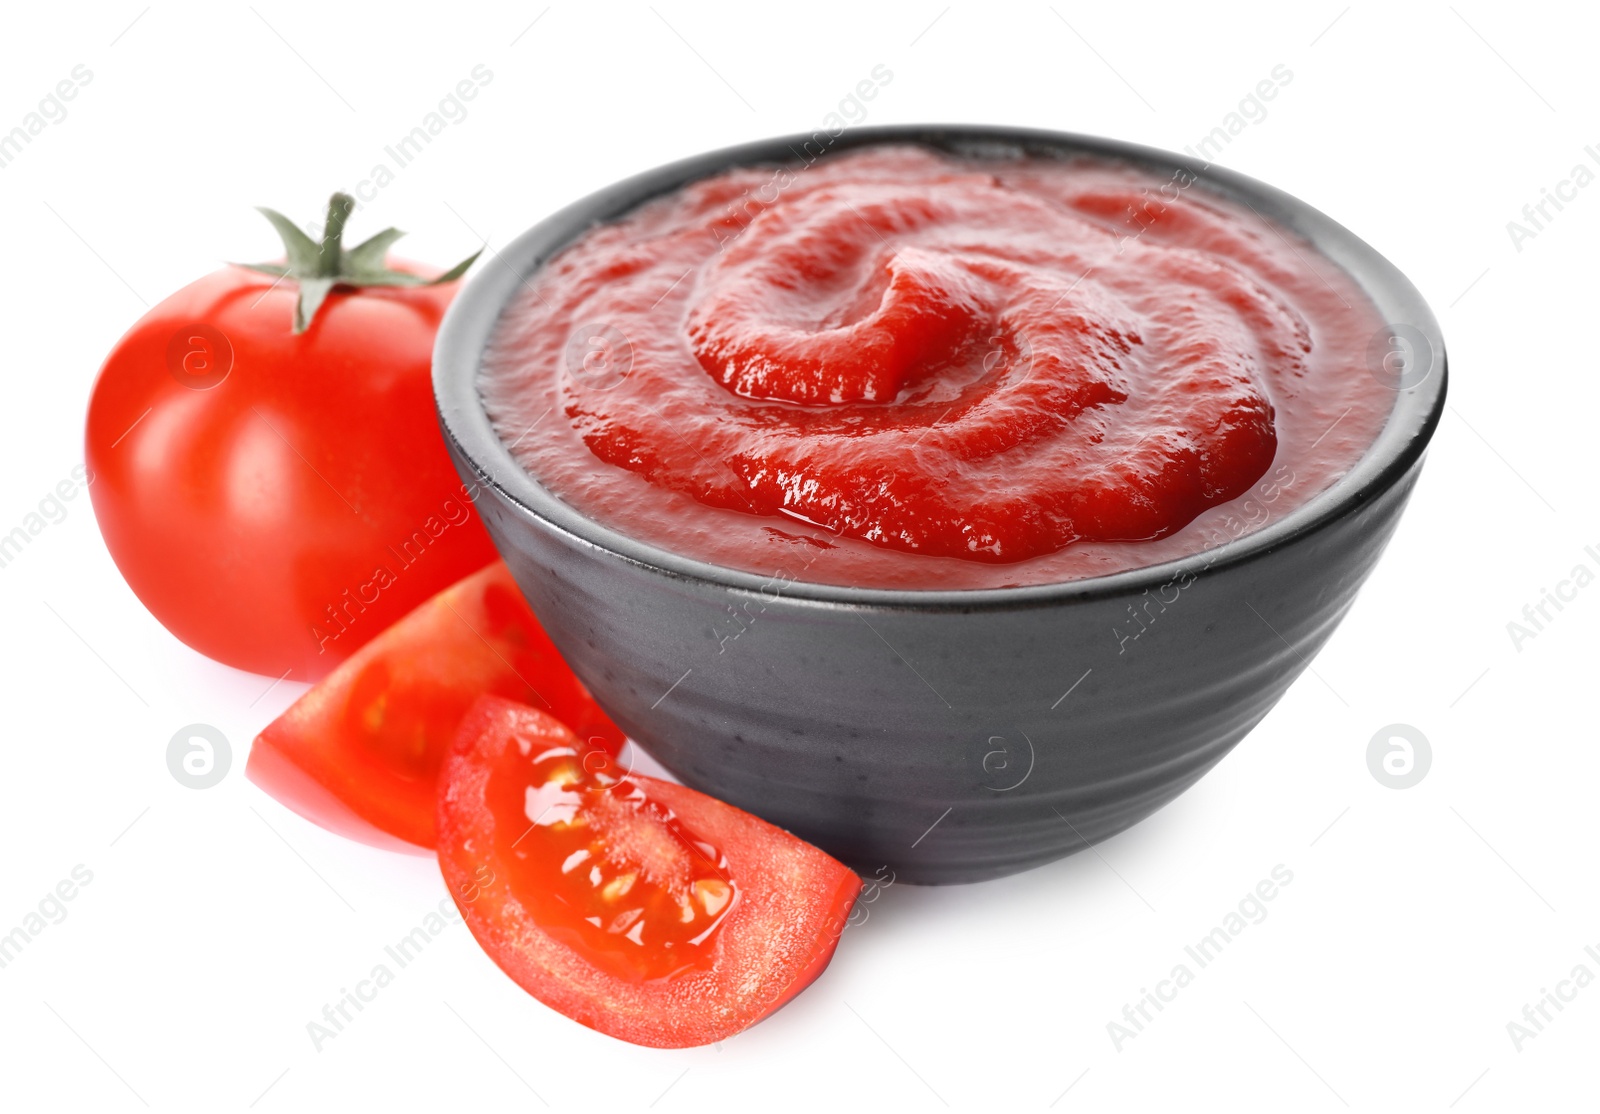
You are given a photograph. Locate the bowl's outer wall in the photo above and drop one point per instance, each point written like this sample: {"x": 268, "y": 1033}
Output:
{"x": 933, "y": 732}
{"x": 942, "y": 744}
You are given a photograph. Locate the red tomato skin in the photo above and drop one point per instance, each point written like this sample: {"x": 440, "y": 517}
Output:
{"x": 794, "y": 904}
{"x": 359, "y": 754}
{"x": 279, "y": 519}
{"x": 292, "y": 785}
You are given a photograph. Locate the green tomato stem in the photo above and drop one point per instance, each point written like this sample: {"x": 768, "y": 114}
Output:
{"x": 319, "y": 266}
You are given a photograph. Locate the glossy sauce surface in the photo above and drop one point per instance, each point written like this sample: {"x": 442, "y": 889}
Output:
{"x": 895, "y": 369}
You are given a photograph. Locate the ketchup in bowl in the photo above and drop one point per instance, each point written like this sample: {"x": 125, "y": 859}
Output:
{"x": 899, "y": 369}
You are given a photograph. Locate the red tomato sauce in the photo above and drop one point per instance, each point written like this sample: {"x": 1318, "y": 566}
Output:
{"x": 897, "y": 369}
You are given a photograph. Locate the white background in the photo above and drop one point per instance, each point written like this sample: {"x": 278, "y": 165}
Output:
{"x": 1418, "y": 923}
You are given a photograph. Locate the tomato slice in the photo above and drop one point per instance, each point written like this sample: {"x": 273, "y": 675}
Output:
{"x": 360, "y": 753}
{"x": 639, "y": 908}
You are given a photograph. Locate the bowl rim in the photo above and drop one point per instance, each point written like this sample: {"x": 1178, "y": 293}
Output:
{"x": 471, "y": 318}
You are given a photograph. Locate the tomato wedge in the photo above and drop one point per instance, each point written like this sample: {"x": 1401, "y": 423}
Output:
{"x": 360, "y": 753}
{"x": 639, "y": 908}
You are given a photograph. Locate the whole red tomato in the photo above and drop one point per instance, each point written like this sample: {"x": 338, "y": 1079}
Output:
{"x": 269, "y": 474}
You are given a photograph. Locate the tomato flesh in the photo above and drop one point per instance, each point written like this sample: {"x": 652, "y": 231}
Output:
{"x": 634, "y": 906}
{"x": 616, "y": 871}
{"x": 360, "y": 753}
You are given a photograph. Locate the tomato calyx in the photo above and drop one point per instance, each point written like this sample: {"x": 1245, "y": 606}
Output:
{"x": 317, "y": 266}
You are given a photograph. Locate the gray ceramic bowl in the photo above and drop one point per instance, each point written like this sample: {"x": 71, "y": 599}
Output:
{"x": 929, "y": 731}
